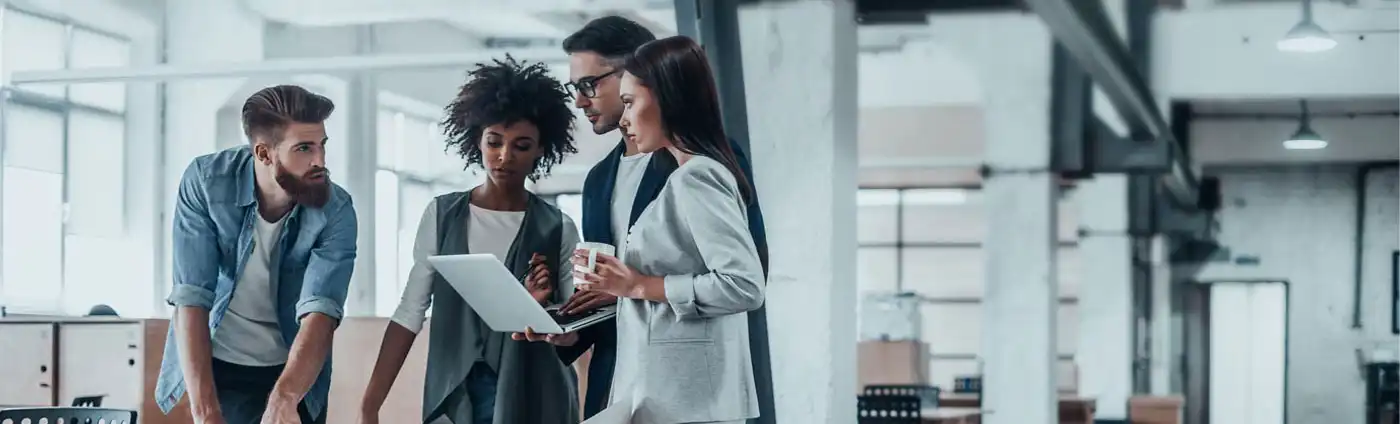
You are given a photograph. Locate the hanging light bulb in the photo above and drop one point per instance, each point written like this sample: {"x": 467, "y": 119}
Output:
{"x": 1307, "y": 36}
{"x": 1305, "y": 138}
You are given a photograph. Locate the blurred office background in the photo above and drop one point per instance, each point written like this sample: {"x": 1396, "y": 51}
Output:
{"x": 129, "y": 91}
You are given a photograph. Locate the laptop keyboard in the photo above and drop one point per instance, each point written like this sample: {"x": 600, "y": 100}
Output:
{"x": 571, "y": 318}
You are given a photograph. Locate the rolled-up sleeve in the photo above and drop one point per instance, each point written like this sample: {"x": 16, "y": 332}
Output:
{"x": 418, "y": 290}
{"x": 327, "y": 277}
{"x": 708, "y": 205}
{"x": 196, "y": 256}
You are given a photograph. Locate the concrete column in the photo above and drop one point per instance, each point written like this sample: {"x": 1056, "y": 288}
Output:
{"x": 362, "y": 157}
{"x": 1020, "y": 304}
{"x": 1105, "y": 350}
{"x": 1161, "y": 375}
{"x": 800, "y": 76}
{"x": 198, "y": 32}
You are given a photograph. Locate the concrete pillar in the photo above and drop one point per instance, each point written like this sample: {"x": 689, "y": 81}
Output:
{"x": 1106, "y": 322}
{"x": 198, "y": 32}
{"x": 1162, "y": 322}
{"x": 1105, "y": 350}
{"x": 800, "y": 77}
{"x": 362, "y": 157}
{"x": 1020, "y": 303}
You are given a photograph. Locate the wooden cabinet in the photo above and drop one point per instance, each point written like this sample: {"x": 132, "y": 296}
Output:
{"x": 51, "y": 362}
{"x": 117, "y": 359}
{"x": 102, "y": 359}
{"x": 28, "y": 350}
{"x": 58, "y": 360}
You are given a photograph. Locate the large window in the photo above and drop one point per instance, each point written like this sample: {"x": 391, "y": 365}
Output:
{"x": 413, "y": 169}
{"x": 929, "y": 241}
{"x": 62, "y": 184}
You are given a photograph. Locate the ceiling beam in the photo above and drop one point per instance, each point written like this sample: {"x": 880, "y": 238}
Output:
{"x": 321, "y": 65}
{"x": 1085, "y": 32}
{"x": 355, "y": 12}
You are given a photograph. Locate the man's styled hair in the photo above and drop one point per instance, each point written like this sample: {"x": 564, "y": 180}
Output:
{"x": 506, "y": 92}
{"x": 612, "y": 37}
{"x": 267, "y": 113}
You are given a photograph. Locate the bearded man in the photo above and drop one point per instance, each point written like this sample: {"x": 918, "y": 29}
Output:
{"x": 264, "y": 244}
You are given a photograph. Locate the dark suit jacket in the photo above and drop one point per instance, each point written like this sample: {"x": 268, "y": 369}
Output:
{"x": 597, "y": 227}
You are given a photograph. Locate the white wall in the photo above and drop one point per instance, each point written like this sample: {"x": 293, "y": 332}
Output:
{"x": 1300, "y": 221}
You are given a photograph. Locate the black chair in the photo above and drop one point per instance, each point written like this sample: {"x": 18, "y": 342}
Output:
{"x": 882, "y": 409}
{"x": 69, "y": 415}
{"x": 89, "y": 401}
{"x": 928, "y": 395}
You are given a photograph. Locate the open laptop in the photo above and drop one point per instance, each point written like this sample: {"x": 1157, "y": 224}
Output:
{"x": 503, "y": 302}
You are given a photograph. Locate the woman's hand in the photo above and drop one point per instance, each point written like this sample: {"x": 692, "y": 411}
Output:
{"x": 368, "y": 418}
{"x": 566, "y": 339}
{"x": 537, "y": 282}
{"x": 609, "y": 275}
{"x": 615, "y": 278}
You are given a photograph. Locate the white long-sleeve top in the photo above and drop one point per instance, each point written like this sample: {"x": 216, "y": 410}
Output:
{"x": 488, "y": 231}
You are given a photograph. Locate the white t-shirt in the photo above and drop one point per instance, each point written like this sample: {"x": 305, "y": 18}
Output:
{"x": 249, "y": 333}
{"x": 629, "y": 178}
{"x": 488, "y": 231}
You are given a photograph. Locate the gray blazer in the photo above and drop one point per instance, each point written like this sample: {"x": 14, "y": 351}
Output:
{"x": 688, "y": 360}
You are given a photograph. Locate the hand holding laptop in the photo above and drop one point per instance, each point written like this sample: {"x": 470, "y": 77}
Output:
{"x": 566, "y": 339}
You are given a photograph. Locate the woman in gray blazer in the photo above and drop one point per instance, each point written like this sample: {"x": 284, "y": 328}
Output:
{"x": 689, "y": 270}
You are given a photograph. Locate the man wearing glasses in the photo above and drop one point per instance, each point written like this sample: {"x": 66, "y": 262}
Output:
{"x": 616, "y": 191}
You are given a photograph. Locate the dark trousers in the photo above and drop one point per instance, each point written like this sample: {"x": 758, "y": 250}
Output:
{"x": 480, "y": 391}
{"x": 243, "y": 392}
{"x": 600, "y": 366}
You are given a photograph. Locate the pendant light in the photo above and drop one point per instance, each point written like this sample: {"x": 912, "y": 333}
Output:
{"x": 1307, "y": 36}
{"x": 1305, "y": 138}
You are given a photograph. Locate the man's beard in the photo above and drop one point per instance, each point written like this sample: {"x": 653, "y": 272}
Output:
{"x": 314, "y": 194}
{"x": 604, "y": 126}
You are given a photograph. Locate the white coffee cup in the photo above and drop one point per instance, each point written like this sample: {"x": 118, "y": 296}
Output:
{"x": 594, "y": 249}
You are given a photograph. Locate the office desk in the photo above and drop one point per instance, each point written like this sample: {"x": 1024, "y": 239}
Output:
{"x": 944, "y": 415}
{"x": 1072, "y": 409}
{"x": 355, "y": 352}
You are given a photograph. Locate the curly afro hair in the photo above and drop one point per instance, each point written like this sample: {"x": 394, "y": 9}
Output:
{"x": 506, "y": 92}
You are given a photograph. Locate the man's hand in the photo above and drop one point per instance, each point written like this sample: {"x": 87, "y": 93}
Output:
{"x": 585, "y": 301}
{"x": 281, "y": 410}
{"x": 537, "y": 282}
{"x": 566, "y": 339}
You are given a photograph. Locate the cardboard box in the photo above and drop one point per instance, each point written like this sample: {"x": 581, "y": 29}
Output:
{"x": 894, "y": 362}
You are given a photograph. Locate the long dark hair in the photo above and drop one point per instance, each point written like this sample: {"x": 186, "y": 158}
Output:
{"x": 678, "y": 74}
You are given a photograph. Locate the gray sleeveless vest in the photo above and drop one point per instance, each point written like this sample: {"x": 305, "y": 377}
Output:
{"x": 534, "y": 385}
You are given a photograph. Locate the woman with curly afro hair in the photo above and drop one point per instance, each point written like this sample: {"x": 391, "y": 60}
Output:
{"x": 511, "y": 119}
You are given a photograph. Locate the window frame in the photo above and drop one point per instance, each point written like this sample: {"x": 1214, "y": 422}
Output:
{"x": 398, "y": 114}
{"x": 11, "y": 94}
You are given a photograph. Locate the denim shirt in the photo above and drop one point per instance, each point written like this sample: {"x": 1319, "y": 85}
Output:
{"x": 215, "y": 212}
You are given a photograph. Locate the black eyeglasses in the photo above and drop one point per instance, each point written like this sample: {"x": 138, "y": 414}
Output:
{"x": 588, "y": 86}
